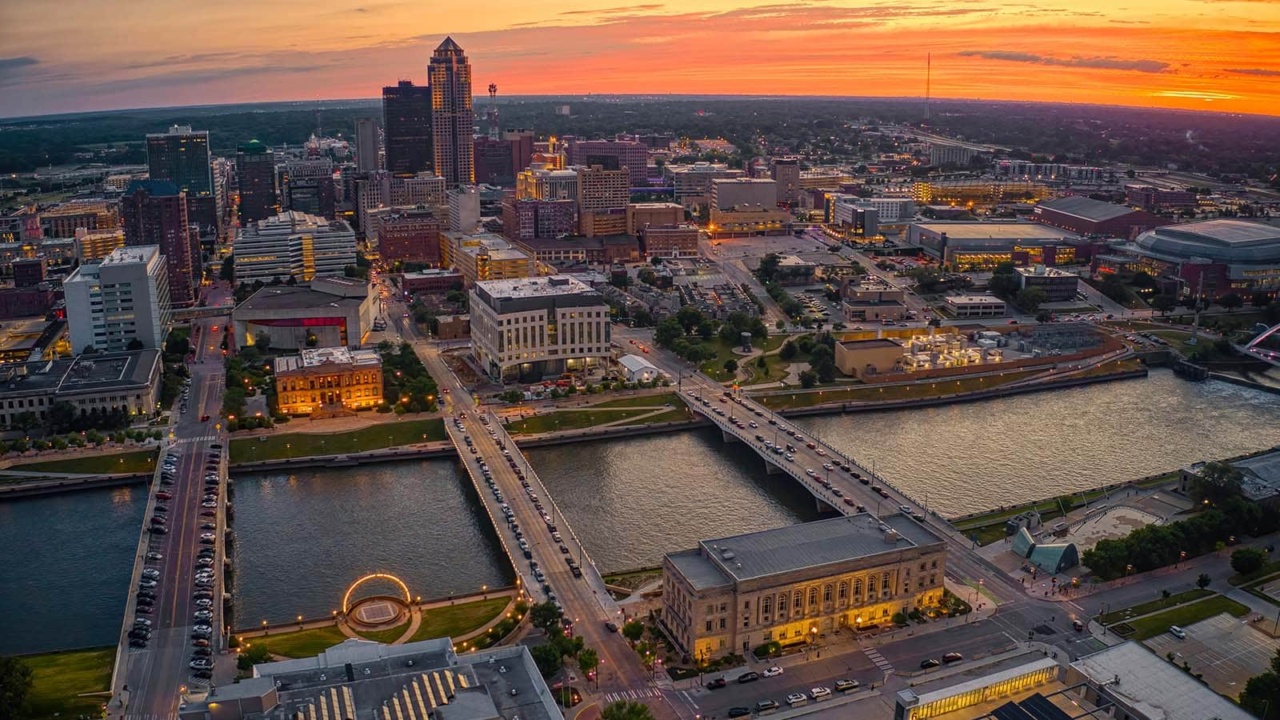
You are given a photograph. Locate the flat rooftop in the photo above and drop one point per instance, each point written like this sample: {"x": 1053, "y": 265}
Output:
{"x": 1155, "y": 686}
{"x": 1043, "y": 271}
{"x": 996, "y": 231}
{"x": 318, "y": 357}
{"x": 1086, "y": 208}
{"x": 814, "y": 544}
{"x": 870, "y": 344}
{"x": 284, "y": 297}
{"x": 972, "y": 299}
{"x": 550, "y": 286}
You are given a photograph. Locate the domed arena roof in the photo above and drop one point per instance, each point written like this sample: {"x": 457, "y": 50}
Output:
{"x": 1235, "y": 242}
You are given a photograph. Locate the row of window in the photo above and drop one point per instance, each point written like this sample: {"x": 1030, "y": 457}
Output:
{"x": 330, "y": 382}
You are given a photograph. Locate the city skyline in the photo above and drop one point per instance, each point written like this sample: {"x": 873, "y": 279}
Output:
{"x": 1191, "y": 54}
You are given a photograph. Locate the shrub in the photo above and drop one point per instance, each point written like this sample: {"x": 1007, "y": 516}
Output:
{"x": 769, "y": 649}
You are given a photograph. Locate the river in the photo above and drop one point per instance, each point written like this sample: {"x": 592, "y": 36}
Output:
{"x": 303, "y": 537}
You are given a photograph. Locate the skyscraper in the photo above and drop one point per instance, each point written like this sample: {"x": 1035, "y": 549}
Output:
{"x": 181, "y": 156}
{"x": 366, "y": 144}
{"x": 154, "y": 212}
{"x": 452, "y": 121}
{"x": 406, "y": 123}
{"x": 256, "y": 175}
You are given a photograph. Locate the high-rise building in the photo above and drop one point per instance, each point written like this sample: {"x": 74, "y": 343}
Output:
{"x": 521, "y": 140}
{"x": 786, "y": 173}
{"x": 122, "y": 299}
{"x": 464, "y": 208}
{"x": 256, "y": 176}
{"x": 602, "y": 201}
{"x": 494, "y": 163}
{"x": 406, "y": 125}
{"x": 452, "y": 121}
{"x": 529, "y": 219}
{"x": 613, "y": 155}
{"x": 181, "y": 156}
{"x": 535, "y": 327}
{"x": 542, "y": 183}
{"x": 307, "y": 185}
{"x": 154, "y": 212}
{"x": 409, "y": 236}
{"x": 293, "y": 244}
{"x": 366, "y": 144}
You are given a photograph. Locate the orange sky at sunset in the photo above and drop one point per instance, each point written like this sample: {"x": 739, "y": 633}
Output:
{"x": 74, "y": 55}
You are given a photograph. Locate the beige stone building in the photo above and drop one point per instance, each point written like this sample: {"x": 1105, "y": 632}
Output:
{"x": 798, "y": 584}
{"x": 857, "y": 358}
{"x": 328, "y": 381}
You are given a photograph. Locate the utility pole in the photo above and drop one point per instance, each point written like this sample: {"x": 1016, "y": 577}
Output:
{"x": 1195, "y": 324}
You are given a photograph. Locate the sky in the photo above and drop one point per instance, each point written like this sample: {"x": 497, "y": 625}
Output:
{"x": 81, "y": 55}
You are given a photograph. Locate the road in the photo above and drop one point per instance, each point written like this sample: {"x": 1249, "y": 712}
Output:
{"x": 157, "y": 676}
{"x": 585, "y": 600}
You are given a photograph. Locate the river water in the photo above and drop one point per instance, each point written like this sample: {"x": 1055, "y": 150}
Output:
{"x": 303, "y": 537}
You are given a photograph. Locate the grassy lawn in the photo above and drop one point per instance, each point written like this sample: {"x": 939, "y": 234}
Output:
{"x": 57, "y": 678}
{"x": 385, "y": 636}
{"x": 714, "y": 367}
{"x": 1267, "y": 570}
{"x": 1149, "y": 607}
{"x": 138, "y": 461}
{"x": 874, "y": 393}
{"x": 641, "y": 401}
{"x": 571, "y": 420}
{"x": 375, "y": 437}
{"x": 679, "y": 414}
{"x": 1184, "y": 615}
{"x": 633, "y": 579}
{"x": 454, "y": 621}
{"x": 301, "y": 644}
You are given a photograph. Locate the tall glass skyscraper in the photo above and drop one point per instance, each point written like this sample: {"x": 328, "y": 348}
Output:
{"x": 452, "y": 120}
{"x": 406, "y": 123}
{"x": 181, "y": 156}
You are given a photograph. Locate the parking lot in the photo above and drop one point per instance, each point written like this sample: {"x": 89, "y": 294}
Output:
{"x": 1226, "y": 650}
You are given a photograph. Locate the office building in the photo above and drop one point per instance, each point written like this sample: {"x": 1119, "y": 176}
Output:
{"x": 406, "y": 128}
{"x": 366, "y": 150}
{"x": 307, "y": 186}
{"x": 64, "y": 219}
{"x": 452, "y": 121}
{"x": 946, "y": 154}
{"x": 116, "y": 382}
{"x": 361, "y": 679}
{"x": 1086, "y": 216}
{"x": 872, "y": 301}
{"x": 786, "y": 175}
{"x": 383, "y": 190}
{"x": 256, "y": 178}
{"x": 94, "y": 246}
{"x": 484, "y": 256}
{"x": 328, "y": 382}
{"x": 532, "y": 328}
{"x": 626, "y": 155}
{"x": 530, "y": 219}
{"x": 499, "y": 159}
{"x": 293, "y": 245}
{"x": 464, "y": 208}
{"x": 181, "y": 156}
{"x": 28, "y": 272}
{"x": 840, "y": 208}
{"x": 154, "y": 212}
{"x": 543, "y": 183}
{"x": 691, "y": 184}
{"x": 1141, "y": 685}
{"x": 977, "y": 191}
{"x": 433, "y": 281}
{"x": 983, "y": 245}
{"x": 1153, "y": 199}
{"x": 123, "y": 299}
{"x": 1058, "y": 285}
{"x": 335, "y": 311}
{"x": 797, "y": 584}
{"x": 602, "y": 201}
{"x": 657, "y": 214}
{"x": 975, "y": 306}
{"x": 730, "y": 194}
{"x": 409, "y": 236}
{"x": 669, "y": 241}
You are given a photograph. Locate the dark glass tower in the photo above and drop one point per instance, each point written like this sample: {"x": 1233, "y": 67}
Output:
{"x": 406, "y": 122}
{"x": 256, "y": 176}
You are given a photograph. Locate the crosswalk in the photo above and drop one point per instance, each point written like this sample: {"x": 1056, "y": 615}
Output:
{"x": 201, "y": 438}
{"x": 632, "y": 695}
{"x": 878, "y": 659}
{"x": 151, "y": 716}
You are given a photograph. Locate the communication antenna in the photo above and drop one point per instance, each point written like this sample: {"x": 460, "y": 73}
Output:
{"x": 493, "y": 111}
{"x": 928, "y": 82}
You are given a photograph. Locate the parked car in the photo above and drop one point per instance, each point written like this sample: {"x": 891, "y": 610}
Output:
{"x": 717, "y": 684}
{"x": 737, "y": 712}
{"x": 1177, "y": 632}
{"x": 846, "y": 685}
{"x": 747, "y": 677}
{"x": 774, "y": 671}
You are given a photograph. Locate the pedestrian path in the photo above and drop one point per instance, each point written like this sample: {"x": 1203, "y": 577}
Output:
{"x": 201, "y": 438}
{"x": 151, "y": 716}
{"x": 639, "y": 694}
{"x": 878, "y": 659}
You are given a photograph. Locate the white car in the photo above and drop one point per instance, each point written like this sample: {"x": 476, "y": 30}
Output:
{"x": 797, "y": 699}
{"x": 820, "y": 693}
{"x": 774, "y": 671}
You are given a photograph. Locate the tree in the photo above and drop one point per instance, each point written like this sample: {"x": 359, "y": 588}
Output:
{"x": 626, "y": 710}
{"x": 667, "y": 332}
{"x": 15, "y": 684}
{"x": 1030, "y": 299}
{"x": 706, "y": 329}
{"x": 1231, "y": 301}
{"x": 647, "y": 276}
{"x": 1248, "y": 560}
{"x": 545, "y": 616}
{"x": 787, "y": 351}
{"x": 1215, "y": 483}
{"x": 767, "y": 270}
{"x": 253, "y": 655}
{"x": 1203, "y": 581}
{"x": 822, "y": 362}
{"x": 588, "y": 660}
{"x": 808, "y": 379}
{"x": 689, "y": 318}
{"x": 547, "y": 658}
{"x": 633, "y": 630}
{"x": 1262, "y": 693}
{"x": 1259, "y": 299}
{"x": 228, "y": 271}
{"x": 1164, "y": 303}
{"x": 731, "y": 365}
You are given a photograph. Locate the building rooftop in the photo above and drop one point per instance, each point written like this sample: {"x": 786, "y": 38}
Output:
{"x": 1230, "y": 241}
{"x": 814, "y": 544}
{"x": 82, "y": 374}
{"x": 534, "y": 287}
{"x": 635, "y": 363}
{"x": 967, "y": 299}
{"x": 997, "y": 231}
{"x": 1044, "y": 271}
{"x": 1260, "y": 474}
{"x": 126, "y": 255}
{"x": 285, "y": 297}
{"x": 1086, "y": 208}
{"x": 319, "y": 357}
{"x": 872, "y": 343}
{"x": 1154, "y": 686}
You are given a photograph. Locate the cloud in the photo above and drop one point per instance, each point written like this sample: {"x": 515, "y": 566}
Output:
{"x": 616, "y": 10}
{"x": 1254, "y": 71}
{"x": 17, "y": 63}
{"x": 1097, "y": 63}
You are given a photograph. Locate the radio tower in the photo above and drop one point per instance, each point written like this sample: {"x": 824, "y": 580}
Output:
{"x": 492, "y": 113}
{"x": 928, "y": 82}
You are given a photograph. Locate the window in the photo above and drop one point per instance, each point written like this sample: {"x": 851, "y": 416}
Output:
{"x": 884, "y": 584}
{"x": 844, "y": 590}
{"x": 934, "y": 565}
{"x": 708, "y": 626}
{"x": 711, "y": 609}
{"x": 826, "y": 593}
{"x": 766, "y": 605}
{"x": 799, "y": 598}
{"x": 813, "y": 596}
{"x": 857, "y": 588}
{"x": 722, "y": 623}
{"x": 723, "y": 607}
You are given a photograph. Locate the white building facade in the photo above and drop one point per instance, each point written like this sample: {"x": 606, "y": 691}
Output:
{"x": 293, "y": 244}
{"x": 122, "y": 299}
{"x": 531, "y": 328}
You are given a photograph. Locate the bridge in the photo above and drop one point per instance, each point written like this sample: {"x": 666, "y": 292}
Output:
{"x": 1267, "y": 355}
{"x": 837, "y": 482}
